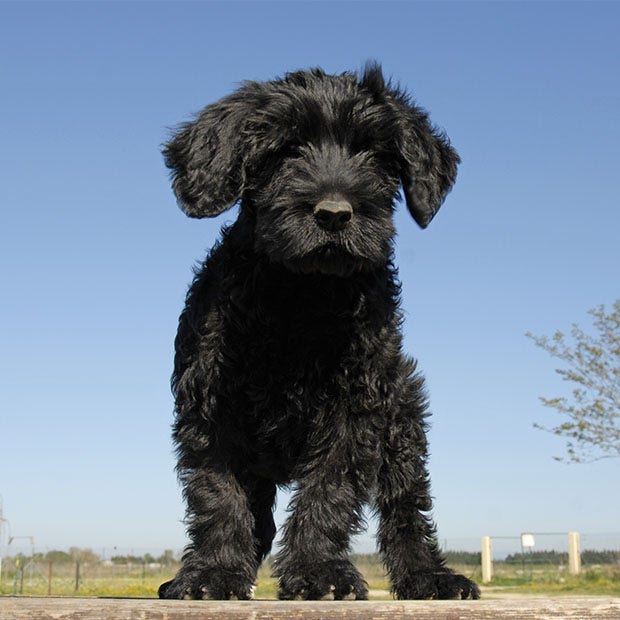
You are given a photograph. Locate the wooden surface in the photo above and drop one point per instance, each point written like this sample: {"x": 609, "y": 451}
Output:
{"x": 524, "y": 608}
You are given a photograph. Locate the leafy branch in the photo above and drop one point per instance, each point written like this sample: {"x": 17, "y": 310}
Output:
{"x": 592, "y": 364}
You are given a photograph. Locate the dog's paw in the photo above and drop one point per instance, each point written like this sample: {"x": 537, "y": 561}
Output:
{"x": 337, "y": 579}
{"x": 208, "y": 584}
{"x": 435, "y": 585}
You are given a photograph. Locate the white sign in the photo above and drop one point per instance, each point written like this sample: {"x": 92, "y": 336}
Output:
{"x": 527, "y": 540}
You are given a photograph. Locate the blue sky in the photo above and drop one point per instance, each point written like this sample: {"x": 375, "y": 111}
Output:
{"x": 95, "y": 257}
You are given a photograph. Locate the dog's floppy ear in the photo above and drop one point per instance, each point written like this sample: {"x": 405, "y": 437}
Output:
{"x": 428, "y": 162}
{"x": 206, "y": 157}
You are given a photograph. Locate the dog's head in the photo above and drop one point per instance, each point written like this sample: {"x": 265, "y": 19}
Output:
{"x": 317, "y": 161}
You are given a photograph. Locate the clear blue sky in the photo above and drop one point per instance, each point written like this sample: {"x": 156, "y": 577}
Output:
{"x": 95, "y": 257}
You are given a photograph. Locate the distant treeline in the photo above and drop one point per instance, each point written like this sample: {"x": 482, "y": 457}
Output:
{"x": 87, "y": 556}
{"x": 588, "y": 556}
{"x": 462, "y": 558}
{"x": 470, "y": 558}
{"x": 467, "y": 558}
{"x": 166, "y": 558}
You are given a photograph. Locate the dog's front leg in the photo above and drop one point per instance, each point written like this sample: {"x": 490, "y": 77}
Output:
{"x": 221, "y": 561}
{"x": 313, "y": 561}
{"x": 406, "y": 534}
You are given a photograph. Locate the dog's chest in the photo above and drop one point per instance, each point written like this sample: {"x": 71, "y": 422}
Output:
{"x": 294, "y": 368}
{"x": 296, "y": 371}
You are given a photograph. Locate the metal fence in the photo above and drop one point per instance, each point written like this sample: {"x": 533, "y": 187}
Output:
{"x": 41, "y": 577}
{"x": 524, "y": 556}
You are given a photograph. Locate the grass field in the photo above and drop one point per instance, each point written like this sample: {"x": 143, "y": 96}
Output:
{"x": 551, "y": 579}
{"x": 99, "y": 579}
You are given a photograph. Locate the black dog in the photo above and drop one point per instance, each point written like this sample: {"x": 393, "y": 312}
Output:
{"x": 288, "y": 366}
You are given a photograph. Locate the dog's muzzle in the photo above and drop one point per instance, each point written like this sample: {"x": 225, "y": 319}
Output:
{"x": 333, "y": 215}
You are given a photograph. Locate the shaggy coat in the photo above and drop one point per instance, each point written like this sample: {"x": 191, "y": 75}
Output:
{"x": 289, "y": 367}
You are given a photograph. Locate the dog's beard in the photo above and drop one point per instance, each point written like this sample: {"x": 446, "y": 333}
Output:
{"x": 341, "y": 257}
{"x": 329, "y": 259}
{"x": 303, "y": 247}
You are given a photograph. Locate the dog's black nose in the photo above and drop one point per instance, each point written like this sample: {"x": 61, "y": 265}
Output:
{"x": 333, "y": 215}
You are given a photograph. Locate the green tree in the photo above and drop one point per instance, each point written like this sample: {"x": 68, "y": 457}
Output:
{"x": 167, "y": 557}
{"x": 61, "y": 557}
{"x": 592, "y": 365}
{"x": 84, "y": 556}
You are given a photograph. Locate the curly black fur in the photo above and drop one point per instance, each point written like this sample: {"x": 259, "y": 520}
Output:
{"x": 288, "y": 364}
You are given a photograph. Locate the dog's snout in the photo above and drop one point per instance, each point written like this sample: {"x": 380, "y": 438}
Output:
{"x": 333, "y": 215}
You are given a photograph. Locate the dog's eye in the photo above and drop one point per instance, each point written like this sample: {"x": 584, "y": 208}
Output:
{"x": 387, "y": 160}
{"x": 271, "y": 159}
{"x": 290, "y": 151}
{"x": 359, "y": 143}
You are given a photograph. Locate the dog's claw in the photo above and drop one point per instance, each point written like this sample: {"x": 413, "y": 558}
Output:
{"x": 334, "y": 580}
{"x": 442, "y": 585}
{"x": 206, "y": 586}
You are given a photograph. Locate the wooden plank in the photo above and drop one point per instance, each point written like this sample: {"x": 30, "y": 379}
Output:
{"x": 523, "y": 608}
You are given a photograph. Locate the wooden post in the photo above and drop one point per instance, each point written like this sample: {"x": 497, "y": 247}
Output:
{"x": 77, "y": 575}
{"x": 487, "y": 559}
{"x": 574, "y": 554}
{"x": 49, "y": 579}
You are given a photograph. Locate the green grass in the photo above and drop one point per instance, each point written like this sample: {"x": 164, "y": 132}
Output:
{"x": 99, "y": 580}
{"x": 594, "y": 580}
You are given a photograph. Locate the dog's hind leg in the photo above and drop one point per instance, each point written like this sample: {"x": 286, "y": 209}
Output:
{"x": 325, "y": 511}
{"x": 262, "y": 494}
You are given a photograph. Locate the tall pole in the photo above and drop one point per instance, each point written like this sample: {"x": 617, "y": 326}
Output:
{"x": 574, "y": 554}
{"x": 487, "y": 559}
{"x": 8, "y": 525}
